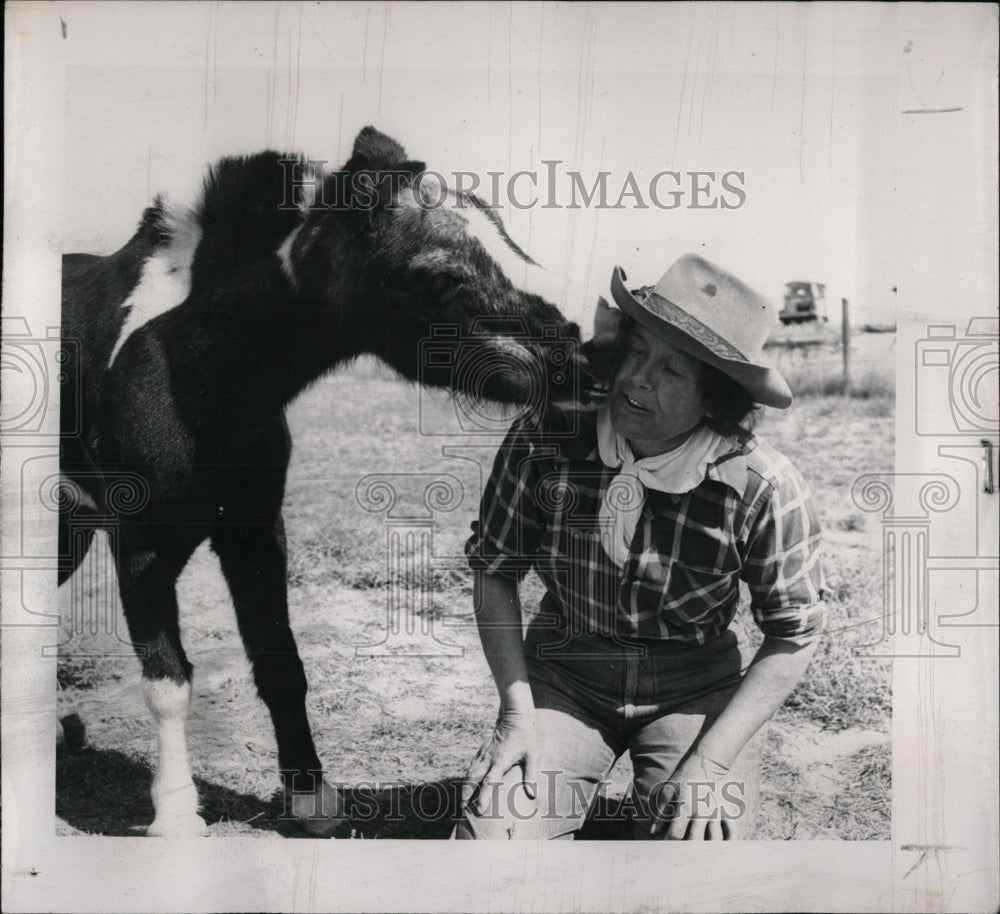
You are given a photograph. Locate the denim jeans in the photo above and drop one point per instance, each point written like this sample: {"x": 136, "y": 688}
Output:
{"x": 598, "y": 696}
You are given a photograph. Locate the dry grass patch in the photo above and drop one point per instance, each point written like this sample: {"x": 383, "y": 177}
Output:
{"x": 418, "y": 720}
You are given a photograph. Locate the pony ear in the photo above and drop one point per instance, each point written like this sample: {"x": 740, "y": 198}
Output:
{"x": 378, "y": 148}
{"x": 408, "y": 169}
{"x": 366, "y": 189}
{"x": 377, "y": 170}
{"x": 376, "y": 152}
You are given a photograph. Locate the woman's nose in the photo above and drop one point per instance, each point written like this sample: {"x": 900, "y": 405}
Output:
{"x": 640, "y": 374}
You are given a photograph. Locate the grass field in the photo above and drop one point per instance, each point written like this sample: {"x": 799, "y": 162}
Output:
{"x": 397, "y": 730}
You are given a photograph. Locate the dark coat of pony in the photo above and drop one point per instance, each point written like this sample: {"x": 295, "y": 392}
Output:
{"x": 288, "y": 272}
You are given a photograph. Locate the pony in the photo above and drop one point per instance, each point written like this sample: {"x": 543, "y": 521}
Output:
{"x": 182, "y": 351}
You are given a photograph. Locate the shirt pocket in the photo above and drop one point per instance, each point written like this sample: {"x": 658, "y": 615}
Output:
{"x": 692, "y": 592}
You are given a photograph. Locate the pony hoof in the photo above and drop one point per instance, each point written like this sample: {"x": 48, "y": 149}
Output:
{"x": 181, "y": 826}
{"x": 326, "y": 827}
{"x": 321, "y": 814}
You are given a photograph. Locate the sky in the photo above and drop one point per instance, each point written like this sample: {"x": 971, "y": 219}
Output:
{"x": 798, "y": 103}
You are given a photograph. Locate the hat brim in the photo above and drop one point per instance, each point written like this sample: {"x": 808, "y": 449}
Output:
{"x": 764, "y": 383}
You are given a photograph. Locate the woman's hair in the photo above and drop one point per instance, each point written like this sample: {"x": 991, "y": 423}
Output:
{"x": 730, "y": 410}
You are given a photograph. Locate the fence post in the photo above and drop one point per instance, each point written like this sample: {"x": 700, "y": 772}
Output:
{"x": 845, "y": 345}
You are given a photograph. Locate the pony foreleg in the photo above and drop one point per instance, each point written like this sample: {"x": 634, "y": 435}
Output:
{"x": 252, "y": 555}
{"x": 146, "y": 577}
{"x": 175, "y": 798}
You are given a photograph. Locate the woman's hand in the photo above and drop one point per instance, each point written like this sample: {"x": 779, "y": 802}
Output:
{"x": 512, "y": 742}
{"x": 699, "y": 793}
{"x": 692, "y": 804}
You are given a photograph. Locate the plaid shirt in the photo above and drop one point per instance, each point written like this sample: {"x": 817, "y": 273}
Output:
{"x": 749, "y": 519}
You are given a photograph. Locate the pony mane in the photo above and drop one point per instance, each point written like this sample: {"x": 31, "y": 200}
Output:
{"x": 245, "y": 201}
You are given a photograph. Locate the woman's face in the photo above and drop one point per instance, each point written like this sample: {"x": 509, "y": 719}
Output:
{"x": 656, "y": 399}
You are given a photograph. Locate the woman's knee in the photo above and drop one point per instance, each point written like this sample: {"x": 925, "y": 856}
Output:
{"x": 505, "y": 811}
{"x": 733, "y": 801}
{"x": 500, "y": 810}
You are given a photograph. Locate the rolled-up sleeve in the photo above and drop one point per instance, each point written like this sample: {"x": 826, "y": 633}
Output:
{"x": 509, "y": 527}
{"x": 783, "y": 567}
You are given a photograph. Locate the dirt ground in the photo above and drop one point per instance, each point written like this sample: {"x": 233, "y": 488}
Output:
{"x": 396, "y": 731}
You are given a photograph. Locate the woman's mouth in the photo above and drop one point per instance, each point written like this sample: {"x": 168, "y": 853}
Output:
{"x": 635, "y": 404}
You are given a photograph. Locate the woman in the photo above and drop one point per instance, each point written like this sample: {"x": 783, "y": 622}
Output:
{"x": 641, "y": 525}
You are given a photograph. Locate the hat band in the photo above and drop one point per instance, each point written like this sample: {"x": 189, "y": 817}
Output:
{"x": 711, "y": 340}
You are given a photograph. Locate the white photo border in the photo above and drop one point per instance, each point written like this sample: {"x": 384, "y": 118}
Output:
{"x": 943, "y": 852}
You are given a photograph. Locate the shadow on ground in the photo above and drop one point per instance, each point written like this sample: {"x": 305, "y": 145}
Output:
{"x": 105, "y": 792}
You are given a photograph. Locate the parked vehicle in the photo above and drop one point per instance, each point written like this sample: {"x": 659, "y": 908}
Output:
{"x": 804, "y": 301}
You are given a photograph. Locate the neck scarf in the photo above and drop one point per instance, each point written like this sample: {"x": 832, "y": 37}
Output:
{"x": 676, "y": 471}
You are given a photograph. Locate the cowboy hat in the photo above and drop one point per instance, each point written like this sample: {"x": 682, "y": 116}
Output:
{"x": 715, "y": 317}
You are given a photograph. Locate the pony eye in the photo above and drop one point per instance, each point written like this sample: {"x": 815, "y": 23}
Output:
{"x": 444, "y": 285}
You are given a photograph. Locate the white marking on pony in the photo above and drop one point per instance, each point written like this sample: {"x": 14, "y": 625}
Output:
{"x": 514, "y": 349}
{"x": 82, "y": 497}
{"x": 487, "y": 233}
{"x": 181, "y": 223}
{"x": 567, "y": 295}
{"x": 436, "y": 258}
{"x": 311, "y": 188}
{"x": 285, "y": 253}
{"x": 166, "y": 277}
{"x": 175, "y": 798}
